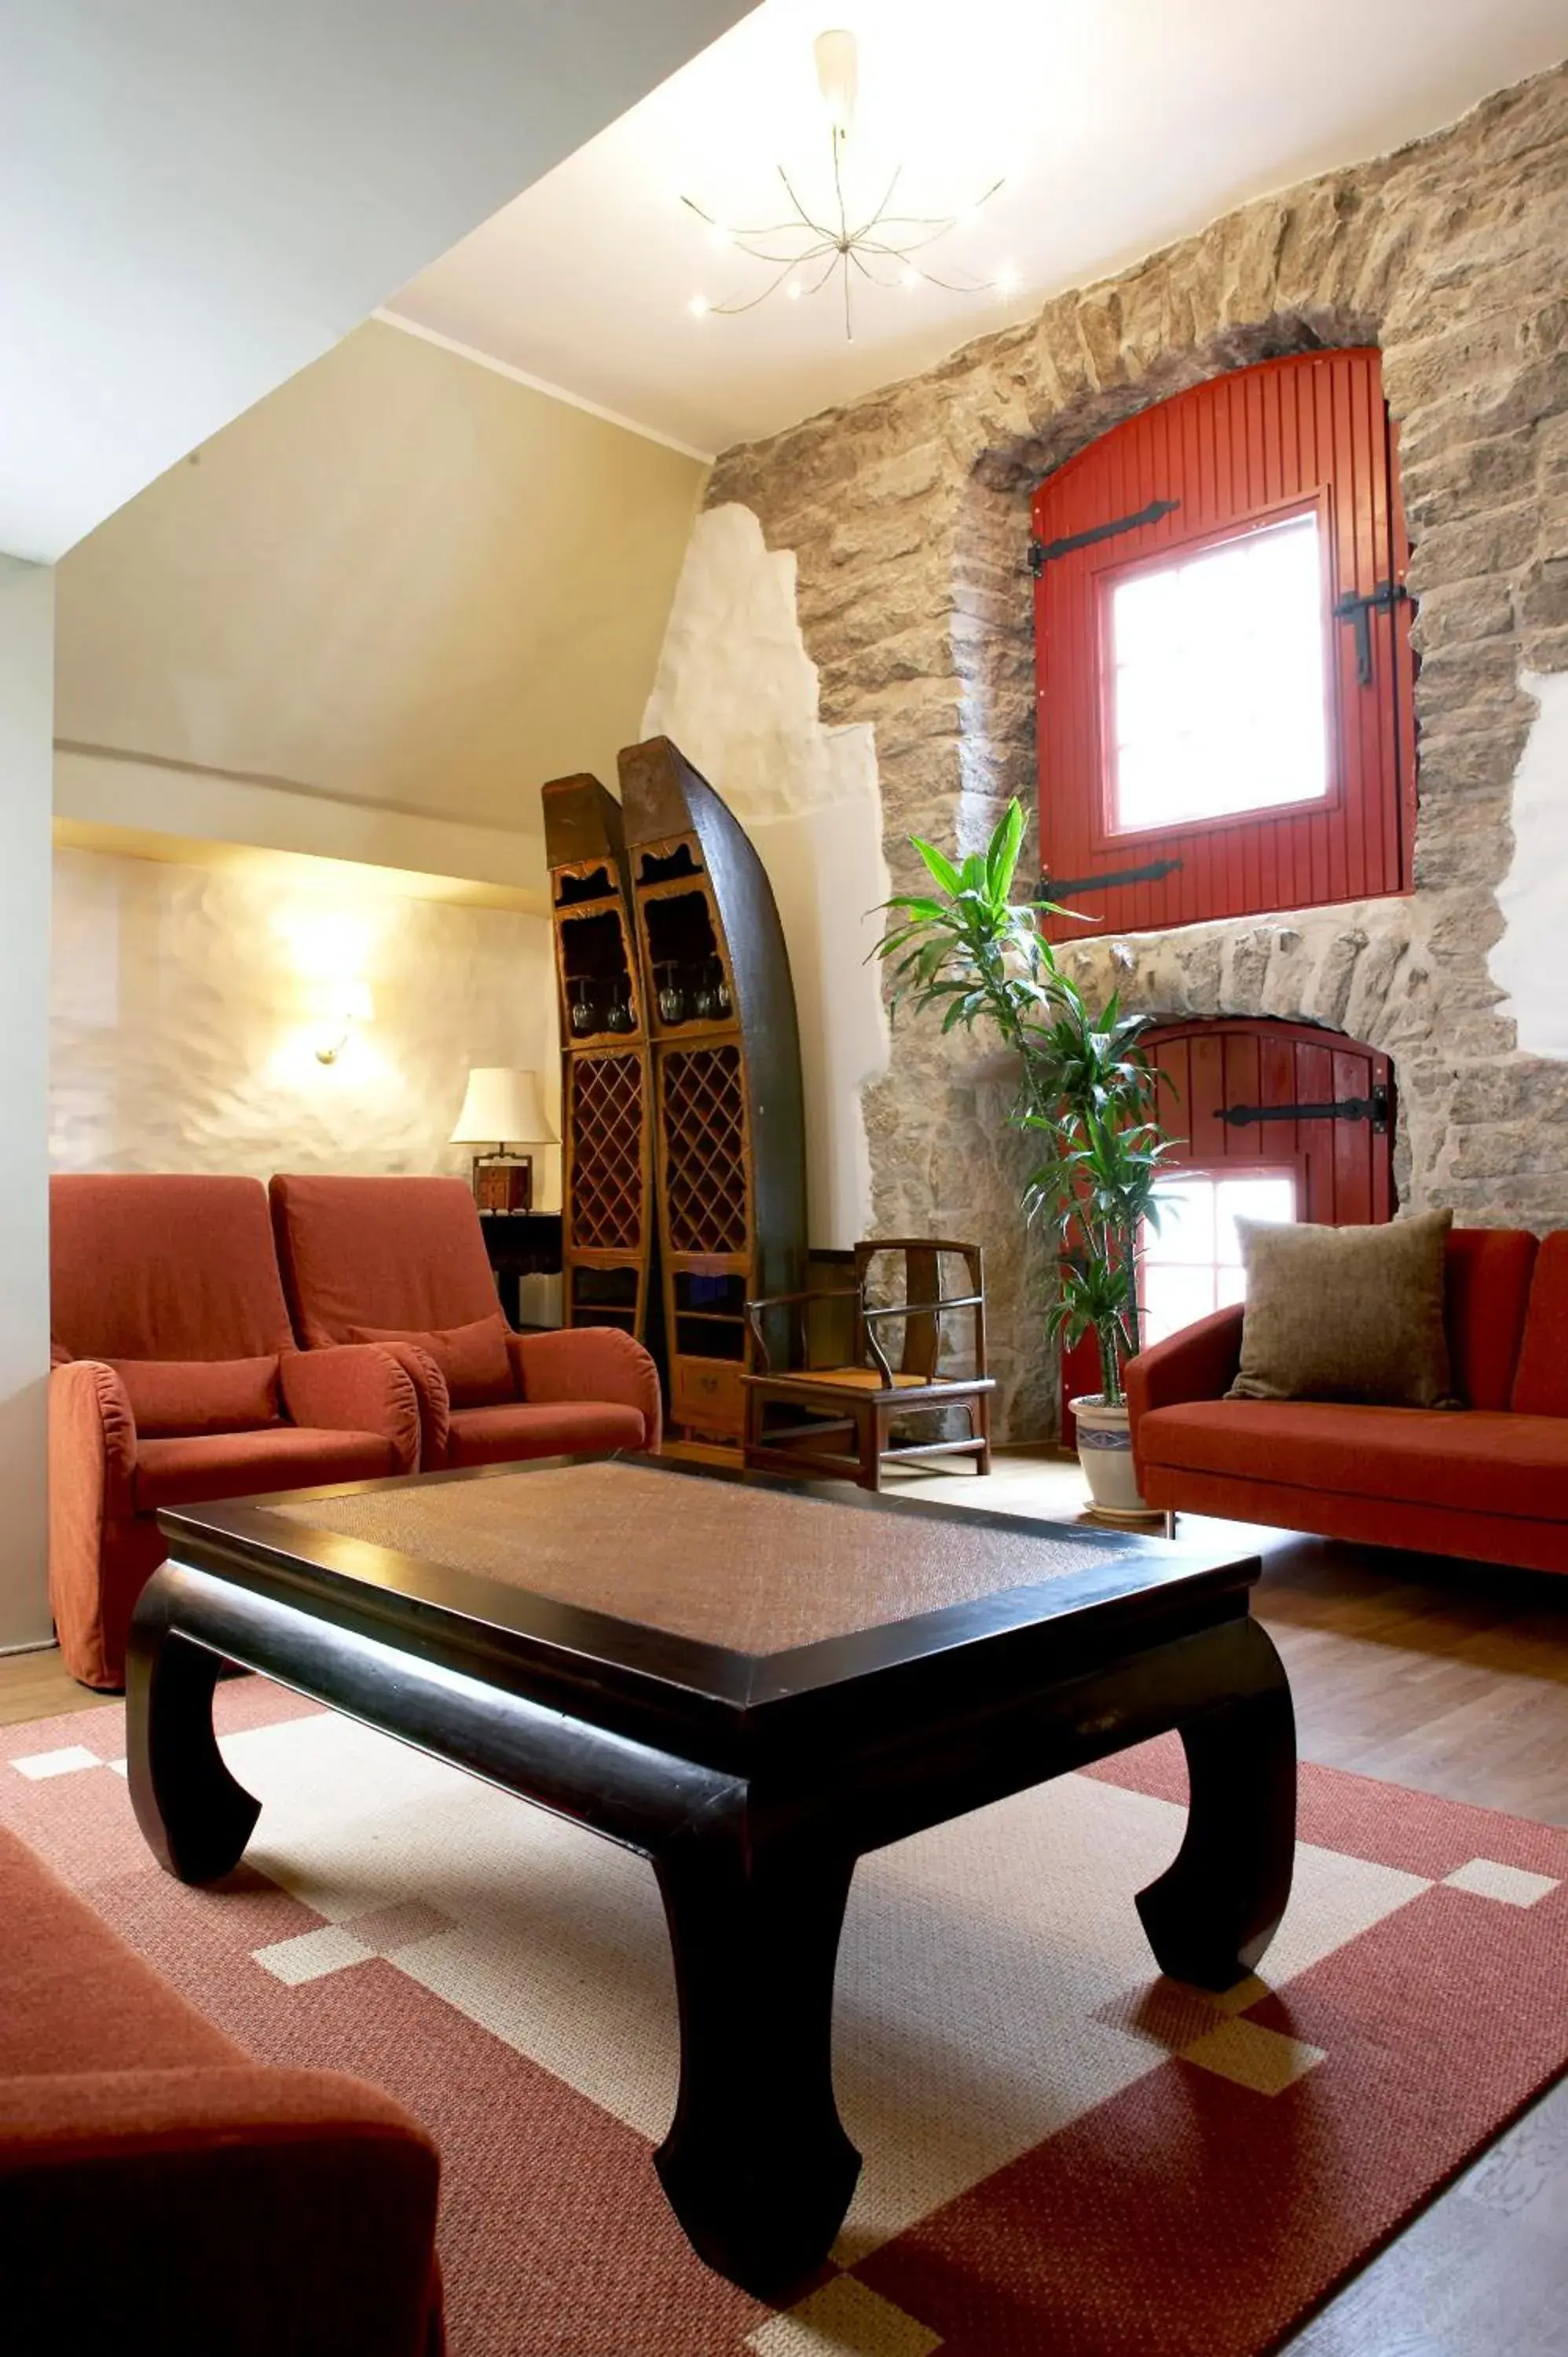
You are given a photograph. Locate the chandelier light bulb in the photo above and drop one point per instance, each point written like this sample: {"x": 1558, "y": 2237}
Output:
{"x": 1006, "y": 281}
{"x": 793, "y": 290}
{"x": 838, "y": 75}
{"x": 699, "y": 306}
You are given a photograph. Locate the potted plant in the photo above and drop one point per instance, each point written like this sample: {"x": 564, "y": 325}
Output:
{"x": 1086, "y": 1091}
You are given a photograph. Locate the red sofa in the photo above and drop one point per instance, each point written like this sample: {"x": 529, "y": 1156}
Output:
{"x": 402, "y": 1263}
{"x": 175, "y": 1380}
{"x": 1488, "y": 1481}
{"x": 162, "y": 2194}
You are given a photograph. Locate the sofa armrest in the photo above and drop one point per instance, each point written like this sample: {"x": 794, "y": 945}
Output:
{"x": 1200, "y": 1363}
{"x": 353, "y": 1387}
{"x": 590, "y": 1362}
{"x": 91, "y": 1473}
{"x": 277, "y": 2210}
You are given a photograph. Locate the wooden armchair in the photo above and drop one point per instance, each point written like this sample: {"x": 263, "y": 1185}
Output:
{"x": 839, "y": 1415}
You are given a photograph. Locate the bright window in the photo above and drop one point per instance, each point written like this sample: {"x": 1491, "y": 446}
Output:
{"x": 1192, "y": 1265}
{"x": 1219, "y": 697}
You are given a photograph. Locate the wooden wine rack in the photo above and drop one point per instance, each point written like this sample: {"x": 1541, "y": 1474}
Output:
{"x": 610, "y": 1233}
{"x": 729, "y": 1143}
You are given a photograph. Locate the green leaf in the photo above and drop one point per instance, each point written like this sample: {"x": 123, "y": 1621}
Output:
{"x": 944, "y": 871}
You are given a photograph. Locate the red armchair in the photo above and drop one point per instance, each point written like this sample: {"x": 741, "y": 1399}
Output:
{"x": 176, "y": 1381}
{"x": 402, "y": 1263}
{"x": 161, "y": 2191}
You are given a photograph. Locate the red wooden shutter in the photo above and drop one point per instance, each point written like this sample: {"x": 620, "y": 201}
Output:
{"x": 1343, "y": 1168}
{"x": 1244, "y": 450}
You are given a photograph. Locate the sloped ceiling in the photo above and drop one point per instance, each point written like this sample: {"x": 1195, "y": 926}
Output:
{"x": 201, "y": 195}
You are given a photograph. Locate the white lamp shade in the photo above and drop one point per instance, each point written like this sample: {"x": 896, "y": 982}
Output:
{"x": 502, "y": 1107}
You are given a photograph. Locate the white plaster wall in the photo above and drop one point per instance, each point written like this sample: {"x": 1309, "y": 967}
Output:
{"x": 186, "y": 1005}
{"x": 738, "y": 692}
{"x": 27, "y": 730}
{"x": 1530, "y": 961}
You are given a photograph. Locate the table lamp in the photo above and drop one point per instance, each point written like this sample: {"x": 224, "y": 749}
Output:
{"x": 502, "y": 1109}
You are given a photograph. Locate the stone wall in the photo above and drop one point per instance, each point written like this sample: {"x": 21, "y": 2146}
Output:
{"x": 907, "y": 516}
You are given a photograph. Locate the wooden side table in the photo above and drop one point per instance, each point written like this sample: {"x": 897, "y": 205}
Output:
{"x": 520, "y": 1243}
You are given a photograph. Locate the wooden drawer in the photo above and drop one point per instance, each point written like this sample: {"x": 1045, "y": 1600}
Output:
{"x": 707, "y": 1395}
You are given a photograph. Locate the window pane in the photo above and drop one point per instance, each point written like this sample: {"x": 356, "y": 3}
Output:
{"x": 1175, "y": 1297}
{"x": 1249, "y": 1199}
{"x": 1219, "y": 697}
{"x": 1185, "y": 1233}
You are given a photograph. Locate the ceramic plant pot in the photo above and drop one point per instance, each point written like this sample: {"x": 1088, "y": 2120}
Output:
{"x": 1105, "y": 1453}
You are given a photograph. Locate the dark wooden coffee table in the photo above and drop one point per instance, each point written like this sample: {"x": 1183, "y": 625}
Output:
{"x": 751, "y": 1683}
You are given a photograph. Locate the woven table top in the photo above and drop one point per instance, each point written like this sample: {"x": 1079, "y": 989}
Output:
{"x": 754, "y": 1571}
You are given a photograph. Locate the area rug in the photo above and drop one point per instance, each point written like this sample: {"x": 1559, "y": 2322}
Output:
{"x": 1065, "y": 2154}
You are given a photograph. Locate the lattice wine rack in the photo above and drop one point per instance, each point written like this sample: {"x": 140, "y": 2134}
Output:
{"x": 610, "y": 1233}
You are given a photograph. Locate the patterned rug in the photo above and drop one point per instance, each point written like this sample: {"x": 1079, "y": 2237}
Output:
{"x": 1064, "y": 2154}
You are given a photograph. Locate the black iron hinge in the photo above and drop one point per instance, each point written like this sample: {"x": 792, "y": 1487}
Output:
{"x": 1072, "y": 887}
{"x": 1355, "y": 607}
{"x": 1045, "y": 552}
{"x": 1374, "y": 1109}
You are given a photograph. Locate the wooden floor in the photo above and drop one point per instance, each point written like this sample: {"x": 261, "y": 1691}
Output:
{"x": 1451, "y": 1678}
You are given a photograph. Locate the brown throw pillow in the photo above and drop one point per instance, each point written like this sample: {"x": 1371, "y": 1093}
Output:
{"x": 1346, "y": 1313}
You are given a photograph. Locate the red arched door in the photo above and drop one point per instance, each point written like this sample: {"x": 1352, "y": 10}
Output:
{"x": 1274, "y": 1119}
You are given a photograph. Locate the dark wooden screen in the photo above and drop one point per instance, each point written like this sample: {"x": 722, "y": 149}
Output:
{"x": 1343, "y": 1168}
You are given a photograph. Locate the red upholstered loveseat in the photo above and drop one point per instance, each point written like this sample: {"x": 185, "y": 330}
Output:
{"x": 176, "y": 1381}
{"x": 402, "y": 1263}
{"x": 1488, "y": 1481}
{"x": 162, "y": 2194}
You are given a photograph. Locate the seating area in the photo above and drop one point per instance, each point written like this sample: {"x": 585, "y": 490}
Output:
{"x": 1485, "y": 1481}
{"x": 181, "y": 1375}
{"x": 784, "y": 1221}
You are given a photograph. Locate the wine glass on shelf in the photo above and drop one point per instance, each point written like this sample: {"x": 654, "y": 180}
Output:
{"x": 580, "y": 1014}
{"x": 671, "y": 998}
{"x": 724, "y": 1005}
{"x": 618, "y": 1015}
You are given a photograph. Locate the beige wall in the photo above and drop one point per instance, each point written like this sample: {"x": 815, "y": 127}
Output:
{"x": 403, "y": 583}
{"x": 186, "y": 1006}
{"x": 26, "y": 612}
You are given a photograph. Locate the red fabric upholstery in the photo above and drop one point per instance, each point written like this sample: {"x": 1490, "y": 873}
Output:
{"x": 473, "y": 1360}
{"x": 1488, "y": 1482}
{"x": 1508, "y": 1539}
{"x": 1486, "y": 1286}
{"x": 160, "y": 2191}
{"x": 1541, "y": 1385}
{"x": 405, "y": 1258}
{"x": 193, "y": 1471}
{"x": 498, "y": 1435}
{"x": 1485, "y": 1461}
{"x": 176, "y": 1281}
{"x": 591, "y": 1362}
{"x": 199, "y": 1395}
{"x": 406, "y": 1254}
{"x": 163, "y": 1268}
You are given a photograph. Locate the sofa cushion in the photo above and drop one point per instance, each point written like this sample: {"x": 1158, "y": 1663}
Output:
{"x": 191, "y": 1395}
{"x": 76, "y": 1998}
{"x": 1481, "y": 1462}
{"x": 1541, "y": 1386}
{"x": 1345, "y": 1313}
{"x": 494, "y": 1435}
{"x": 474, "y": 1361}
{"x": 1487, "y": 1281}
{"x": 405, "y": 1254}
{"x": 199, "y": 1470}
{"x": 144, "y": 1268}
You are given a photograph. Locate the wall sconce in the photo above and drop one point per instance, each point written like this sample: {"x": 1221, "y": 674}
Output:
{"x": 353, "y": 1004}
{"x": 503, "y": 1107}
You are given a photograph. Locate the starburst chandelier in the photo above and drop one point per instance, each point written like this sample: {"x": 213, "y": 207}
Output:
{"x": 884, "y": 248}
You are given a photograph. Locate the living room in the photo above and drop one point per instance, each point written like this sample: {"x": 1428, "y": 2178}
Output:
{"x": 781, "y": 885}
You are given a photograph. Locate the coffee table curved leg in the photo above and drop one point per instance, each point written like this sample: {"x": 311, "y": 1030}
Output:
{"x": 757, "y": 2165}
{"x": 196, "y": 1819}
{"x": 1212, "y": 1914}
